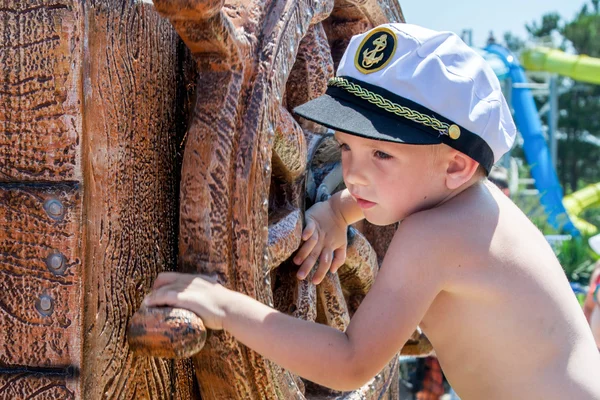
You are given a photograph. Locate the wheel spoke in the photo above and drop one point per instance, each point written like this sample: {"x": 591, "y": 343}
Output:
{"x": 284, "y": 237}
{"x": 289, "y": 149}
{"x": 330, "y": 294}
{"x": 358, "y": 272}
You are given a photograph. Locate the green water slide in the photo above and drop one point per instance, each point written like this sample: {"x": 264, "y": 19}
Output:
{"x": 581, "y": 68}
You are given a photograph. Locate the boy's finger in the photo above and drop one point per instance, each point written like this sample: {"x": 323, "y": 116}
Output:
{"x": 212, "y": 278}
{"x": 306, "y": 248}
{"x": 164, "y": 278}
{"x": 308, "y": 264}
{"x": 324, "y": 265}
{"x": 165, "y": 296}
{"x": 339, "y": 257}
{"x": 308, "y": 231}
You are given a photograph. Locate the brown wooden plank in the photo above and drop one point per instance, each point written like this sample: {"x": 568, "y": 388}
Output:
{"x": 40, "y": 276}
{"x": 40, "y": 119}
{"x": 38, "y": 385}
{"x": 131, "y": 177}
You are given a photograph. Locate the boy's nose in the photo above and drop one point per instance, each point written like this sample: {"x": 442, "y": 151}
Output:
{"x": 355, "y": 175}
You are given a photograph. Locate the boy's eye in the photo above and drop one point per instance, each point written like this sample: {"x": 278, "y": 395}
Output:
{"x": 381, "y": 155}
{"x": 344, "y": 147}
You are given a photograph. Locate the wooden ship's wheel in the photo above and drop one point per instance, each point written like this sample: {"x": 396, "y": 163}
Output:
{"x": 249, "y": 171}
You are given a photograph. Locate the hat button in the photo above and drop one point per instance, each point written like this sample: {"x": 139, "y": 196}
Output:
{"x": 454, "y": 131}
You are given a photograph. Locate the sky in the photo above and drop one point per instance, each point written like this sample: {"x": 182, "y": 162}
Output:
{"x": 483, "y": 16}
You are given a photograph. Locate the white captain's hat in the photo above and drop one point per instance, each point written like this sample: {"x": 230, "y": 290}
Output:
{"x": 408, "y": 84}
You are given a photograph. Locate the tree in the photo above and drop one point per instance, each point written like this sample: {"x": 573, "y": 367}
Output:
{"x": 579, "y": 105}
{"x": 513, "y": 42}
{"x": 548, "y": 25}
{"x": 578, "y": 160}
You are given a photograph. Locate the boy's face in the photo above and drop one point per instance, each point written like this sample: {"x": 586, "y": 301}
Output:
{"x": 391, "y": 181}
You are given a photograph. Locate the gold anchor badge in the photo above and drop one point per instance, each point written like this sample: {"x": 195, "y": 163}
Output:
{"x": 374, "y": 52}
{"x": 370, "y": 57}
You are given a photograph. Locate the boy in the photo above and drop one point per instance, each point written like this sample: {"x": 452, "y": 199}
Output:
{"x": 420, "y": 119}
{"x": 591, "y": 306}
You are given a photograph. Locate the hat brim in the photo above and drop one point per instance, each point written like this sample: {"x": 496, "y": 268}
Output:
{"x": 349, "y": 117}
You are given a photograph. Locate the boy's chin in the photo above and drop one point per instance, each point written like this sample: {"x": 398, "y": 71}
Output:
{"x": 380, "y": 220}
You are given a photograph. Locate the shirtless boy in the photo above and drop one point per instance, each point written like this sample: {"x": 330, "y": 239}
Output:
{"x": 591, "y": 306}
{"x": 421, "y": 119}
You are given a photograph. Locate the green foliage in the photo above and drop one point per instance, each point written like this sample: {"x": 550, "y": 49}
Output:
{"x": 579, "y": 119}
{"x": 513, "y": 42}
{"x": 591, "y": 215}
{"x": 533, "y": 209}
{"x": 575, "y": 255}
{"x": 577, "y": 259}
{"x": 546, "y": 27}
{"x": 579, "y": 104}
{"x": 578, "y": 160}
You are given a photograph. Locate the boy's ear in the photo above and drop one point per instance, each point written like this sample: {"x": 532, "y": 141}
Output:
{"x": 460, "y": 170}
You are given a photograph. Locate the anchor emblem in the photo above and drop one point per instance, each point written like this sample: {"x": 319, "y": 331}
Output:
{"x": 370, "y": 57}
{"x": 376, "y": 50}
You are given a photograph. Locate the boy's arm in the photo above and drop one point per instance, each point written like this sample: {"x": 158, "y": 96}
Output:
{"x": 590, "y": 303}
{"x": 344, "y": 204}
{"x": 325, "y": 235}
{"x": 405, "y": 287}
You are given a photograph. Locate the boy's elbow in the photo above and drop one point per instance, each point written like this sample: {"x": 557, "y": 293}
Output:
{"x": 354, "y": 377}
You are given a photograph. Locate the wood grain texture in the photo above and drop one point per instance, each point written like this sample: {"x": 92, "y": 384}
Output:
{"x": 39, "y": 300}
{"x": 22, "y": 384}
{"x": 239, "y": 133}
{"x": 132, "y": 86}
{"x": 40, "y": 103}
{"x": 244, "y": 54}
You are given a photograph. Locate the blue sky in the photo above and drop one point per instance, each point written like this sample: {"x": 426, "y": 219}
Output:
{"x": 483, "y": 16}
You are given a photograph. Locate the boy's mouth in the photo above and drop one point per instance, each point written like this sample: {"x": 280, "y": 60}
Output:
{"x": 364, "y": 204}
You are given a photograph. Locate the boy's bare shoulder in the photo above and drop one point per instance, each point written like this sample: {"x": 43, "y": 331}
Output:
{"x": 463, "y": 226}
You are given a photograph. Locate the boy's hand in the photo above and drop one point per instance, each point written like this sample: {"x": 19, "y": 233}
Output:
{"x": 198, "y": 293}
{"x": 324, "y": 239}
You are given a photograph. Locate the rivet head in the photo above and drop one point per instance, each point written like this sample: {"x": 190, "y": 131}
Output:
{"x": 56, "y": 263}
{"x": 54, "y": 208}
{"x": 44, "y": 305}
{"x": 454, "y": 132}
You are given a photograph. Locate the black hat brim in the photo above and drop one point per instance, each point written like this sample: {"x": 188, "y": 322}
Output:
{"x": 350, "y": 117}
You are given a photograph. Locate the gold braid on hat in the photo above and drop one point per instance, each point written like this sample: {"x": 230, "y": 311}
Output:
{"x": 381, "y": 102}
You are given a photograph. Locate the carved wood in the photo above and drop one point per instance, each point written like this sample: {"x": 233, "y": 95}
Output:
{"x": 130, "y": 163}
{"x": 40, "y": 276}
{"x": 22, "y": 384}
{"x": 40, "y": 104}
{"x": 92, "y": 114}
{"x": 95, "y": 99}
{"x": 242, "y": 188}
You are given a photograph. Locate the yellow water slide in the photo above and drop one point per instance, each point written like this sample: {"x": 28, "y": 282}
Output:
{"x": 576, "y": 202}
{"x": 581, "y": 68}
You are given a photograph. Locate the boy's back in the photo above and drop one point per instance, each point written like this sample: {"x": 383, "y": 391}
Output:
{"x": 506, "y": 325}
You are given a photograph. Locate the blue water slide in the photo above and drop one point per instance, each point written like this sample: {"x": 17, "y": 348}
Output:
{"x": 534, "y": 144}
